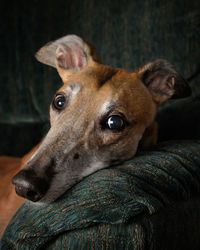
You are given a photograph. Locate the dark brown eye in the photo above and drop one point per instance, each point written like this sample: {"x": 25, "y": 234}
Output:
{"x": 59, "y": 101}
{"x": 115, "y": 122}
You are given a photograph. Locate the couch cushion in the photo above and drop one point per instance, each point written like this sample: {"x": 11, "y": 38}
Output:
{"x": 154, "y": 179}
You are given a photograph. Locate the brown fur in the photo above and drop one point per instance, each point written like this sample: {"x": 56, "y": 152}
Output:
{"x": 76, "y": 130}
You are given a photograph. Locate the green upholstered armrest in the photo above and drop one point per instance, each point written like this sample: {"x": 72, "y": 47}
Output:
{"x": 136, "y": 205}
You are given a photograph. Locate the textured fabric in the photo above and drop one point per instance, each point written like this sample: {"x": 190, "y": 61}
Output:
{"x": 141, "y": 204}
{"x": 126, "y": 33}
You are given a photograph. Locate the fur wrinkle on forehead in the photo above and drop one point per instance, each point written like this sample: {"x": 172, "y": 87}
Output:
{"x": 102, "y": 74}
{"x": 107, "y": 77}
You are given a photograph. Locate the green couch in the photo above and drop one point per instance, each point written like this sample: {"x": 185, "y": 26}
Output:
{"x": 149, "y": 202}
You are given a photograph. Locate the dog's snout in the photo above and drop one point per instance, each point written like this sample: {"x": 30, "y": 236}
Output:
{"x": 29, "y": 186}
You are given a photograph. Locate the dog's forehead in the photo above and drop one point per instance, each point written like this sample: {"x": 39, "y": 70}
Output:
{"x": 98, "y": 75}
{"x": 102, "y": 85}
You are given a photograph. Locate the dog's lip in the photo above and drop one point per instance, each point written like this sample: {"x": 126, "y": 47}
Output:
{"x": 33, "y": 196}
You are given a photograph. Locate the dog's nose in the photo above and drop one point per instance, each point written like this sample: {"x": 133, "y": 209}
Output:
{"x": 29, "y": 186}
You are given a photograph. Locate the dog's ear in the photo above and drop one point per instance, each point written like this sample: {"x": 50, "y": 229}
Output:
{"x": 163, "y": 81}
{"x": 69, "y": 54}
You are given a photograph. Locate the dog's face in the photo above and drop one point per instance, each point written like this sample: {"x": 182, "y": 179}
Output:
{"x": 98, "y": 117}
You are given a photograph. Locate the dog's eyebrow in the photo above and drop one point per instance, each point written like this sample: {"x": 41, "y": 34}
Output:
{"x": 74, "y": 88}
{"x": 108, "y": 107}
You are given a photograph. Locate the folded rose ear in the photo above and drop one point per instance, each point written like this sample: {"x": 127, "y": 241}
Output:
{"x": 163, "y": 81}
{"x": 68, "y": 54}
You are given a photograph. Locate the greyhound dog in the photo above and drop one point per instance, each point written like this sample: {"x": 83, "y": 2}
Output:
{"x": 98, "y": 117}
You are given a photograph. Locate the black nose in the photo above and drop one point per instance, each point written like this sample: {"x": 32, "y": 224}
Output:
{"x": 29, "y": 186}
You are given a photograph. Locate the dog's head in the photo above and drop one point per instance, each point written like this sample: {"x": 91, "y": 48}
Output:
{"x": 98, "y": 117}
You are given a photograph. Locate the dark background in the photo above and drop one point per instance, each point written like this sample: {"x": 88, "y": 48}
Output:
{"x": 126, "y": 33}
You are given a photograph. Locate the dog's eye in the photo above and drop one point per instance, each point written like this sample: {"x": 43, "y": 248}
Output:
{"x": 115, "y": 122}
{"x": 59, "y": 101}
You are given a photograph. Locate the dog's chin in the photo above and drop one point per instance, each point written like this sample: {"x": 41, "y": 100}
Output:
{"x": 54, "y": 194}
{"x": 50, "y": 197}
{"x": 47, "y": 200}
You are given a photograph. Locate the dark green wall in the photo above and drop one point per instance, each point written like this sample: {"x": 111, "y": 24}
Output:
{"x": 126, "y": 33}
